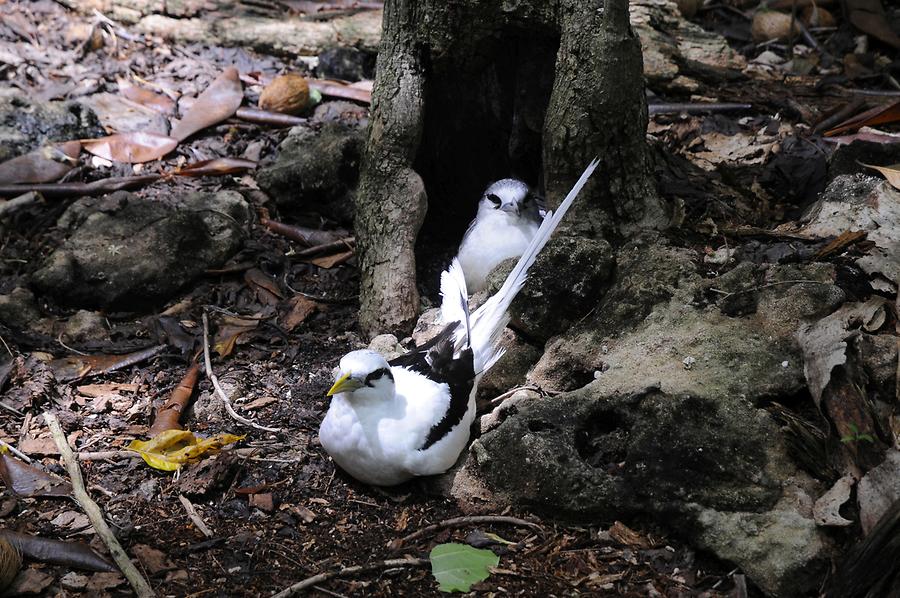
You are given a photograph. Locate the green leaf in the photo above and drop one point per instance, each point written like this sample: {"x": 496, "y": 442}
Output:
{"x": 457, "y": 566}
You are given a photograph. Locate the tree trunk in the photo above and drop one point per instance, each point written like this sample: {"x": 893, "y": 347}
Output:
{"x": 472, "y": 91}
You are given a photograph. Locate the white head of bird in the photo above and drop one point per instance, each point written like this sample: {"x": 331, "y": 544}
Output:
{"x": 510, "y": 197}
{"x": 363, "y": 376}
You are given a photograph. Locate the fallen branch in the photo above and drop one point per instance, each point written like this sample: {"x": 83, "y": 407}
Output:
{"x": 195, "y": 516}
{"x": 340, "y": 244}
{"x": 300, "y": 586}
{"x": 101, "y": 187}
{"x": 215, "y": 382}
{"x": 308, "y": 236}
{"x": 15, "y": 451}
{"x": 460, "y": 522}
{"x": 140, "y": 586}
{"x": 106, "y": 455}
{"x": 696, "y": 108}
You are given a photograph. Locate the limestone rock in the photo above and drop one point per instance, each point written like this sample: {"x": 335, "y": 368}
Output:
{"x": 510, "y": 370}
{"x": 127, "y": 253}
{"x": 316, "y": 167}
{"x": 27, "y": 123}
{"x": 18, "y": 309}
{"x": 570, "y": 275}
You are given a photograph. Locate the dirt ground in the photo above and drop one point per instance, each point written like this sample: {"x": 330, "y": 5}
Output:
{"x": 277, "y": 509}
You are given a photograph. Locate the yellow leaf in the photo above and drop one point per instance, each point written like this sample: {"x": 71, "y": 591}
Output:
{"x": 169, "y": 450}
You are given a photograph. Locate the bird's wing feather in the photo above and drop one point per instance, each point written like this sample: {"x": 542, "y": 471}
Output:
{"x": 418, "y": 360}
{"x": 455, "y": 300}
{"x": 489, "y": 320}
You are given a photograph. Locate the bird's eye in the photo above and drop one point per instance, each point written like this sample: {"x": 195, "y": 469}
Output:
{"x": 494, "y": 199}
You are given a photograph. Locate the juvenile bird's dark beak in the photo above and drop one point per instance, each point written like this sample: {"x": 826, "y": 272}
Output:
{"x": 512, "y": 208}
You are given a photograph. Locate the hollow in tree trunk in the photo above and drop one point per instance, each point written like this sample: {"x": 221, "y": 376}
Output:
{"x": 471, "y": 91}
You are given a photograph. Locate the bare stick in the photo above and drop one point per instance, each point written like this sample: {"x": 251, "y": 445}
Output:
{"x": 300, "y": 586}
{"x": 15, "y": 452}
{"x": 106, "y": 455}
{"x": 215, "y": 382}
{"x": 195, "y": 516}
{"x": 140, "y": 586}
{"x": 461, "y": 521}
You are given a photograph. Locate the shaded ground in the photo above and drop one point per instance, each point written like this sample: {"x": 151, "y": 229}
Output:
{"x": 277, "y": 508}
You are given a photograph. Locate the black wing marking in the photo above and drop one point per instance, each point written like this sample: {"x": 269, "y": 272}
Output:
{"x": 435, "y": 361}
{"x": 418, "y": 359}
{"x": 459, "y": 375}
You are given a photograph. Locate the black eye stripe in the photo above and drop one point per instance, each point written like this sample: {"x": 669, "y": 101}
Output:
{"x": 377, "y": 375}
{"x": 494, "y": 198}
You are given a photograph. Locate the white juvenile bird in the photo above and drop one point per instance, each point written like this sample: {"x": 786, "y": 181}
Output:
{"x": 508, "y": 217}
{"x": 391, "y": 421}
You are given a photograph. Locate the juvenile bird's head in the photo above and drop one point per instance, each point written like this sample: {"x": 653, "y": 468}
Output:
{"x": 362, "y": 375}
{"x": 513, "y": 198}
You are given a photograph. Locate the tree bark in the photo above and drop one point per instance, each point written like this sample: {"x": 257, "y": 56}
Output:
{"x": 471, "y": 91}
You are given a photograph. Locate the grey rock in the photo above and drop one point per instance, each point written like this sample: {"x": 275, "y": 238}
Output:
{"x": 387, "y": 345}
{"x": 18, "y": 309}
{"x": 27, "y": 124}
{"x": 509, "y": 371}
{"x": 346, "y": 63}
{"x": 316, "y": 167}
{"x": 588, "y": 454}
{"x": 126, "y": 253}
{"x": 665, "y": 422}
{"x": 86, "y": 325}
{"x": 567, "y": 281}
{"x": 780, "y": 550}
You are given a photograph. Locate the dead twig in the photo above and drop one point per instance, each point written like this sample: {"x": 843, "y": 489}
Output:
{"x": 300, "y": 586}
{"x": 106, "y": 455}
{"x": 195, "y": 516}
{"x": 215, "y": 382}
{"x": 696, "y": 108}
{"x": 726, "y": 294}
{"x": 340, "y": 244}
{"x": 460, "y": 522}
{"x": 15, "y": 451}
{"x": 140, "y": 585}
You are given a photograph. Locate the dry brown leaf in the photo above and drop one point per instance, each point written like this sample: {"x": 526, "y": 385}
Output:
{"x": 824, "y": 343}
{"x": 826, "y": 511}
{"x": 149, "y": 99}
{"x": 131, "y": 148}
{"x": 627, "y": 536}
{"x": 228, "y": 333}
{"x": 75, "y": 555}
{"x": 216, "y": 167}
{"x": 102, "y": 390}
{"x": 891, "y": 173}
{"x": 869, "y": 17}
{"x": 219, "y": 101}
{"x": 330, "y": 261}
{"x": 26, "y": 481}
{"x": 300, "y": 308}
{"x": 266, "y": 288}
{"x": 44, "y": 165}
{"x": 879, "y": 115}
{"x": 77, "y": 366}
